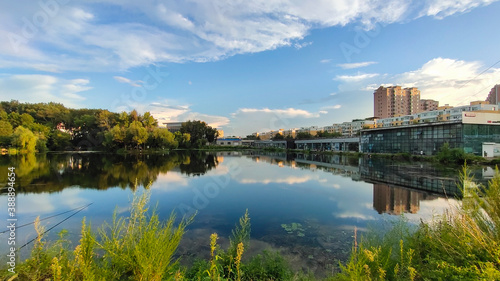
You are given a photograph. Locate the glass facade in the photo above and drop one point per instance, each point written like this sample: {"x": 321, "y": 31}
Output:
{"x": 428, "y": 138}
{"x": 475, "y": 134}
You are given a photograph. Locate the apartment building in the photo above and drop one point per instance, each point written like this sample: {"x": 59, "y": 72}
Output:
{"x": 428, "y": 105}
{"x": 448, "y": 113}
{"x": 395, "y": 101}
{"x": 494, "y": 95}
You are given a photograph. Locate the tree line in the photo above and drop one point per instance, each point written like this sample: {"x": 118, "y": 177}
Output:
{"x": 31, "y": 127}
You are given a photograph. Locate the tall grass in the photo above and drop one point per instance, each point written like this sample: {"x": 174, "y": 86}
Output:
{"x": 137, "y": 247}
{"x": 461, "y": 244}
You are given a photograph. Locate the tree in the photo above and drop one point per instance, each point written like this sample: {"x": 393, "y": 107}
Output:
{"x": 136, "y": 134}
{"x": 183, "y": 139}
{"x": 59, "y": 141}
{"x": 303, "y": 135}
{"x": 6, "y": 131}
{"x": 123, "y": 119}
{"x": 278, "y": 136}
{"x": 252, "y": 137}
{"x": 115, "y": 137}
{"x": 162, "y": 138}
{"x": 200, "y": 132}
{"x": 149, "y": 122}
{"x": 105, "y": 120}
{"x": 24, "y": 139}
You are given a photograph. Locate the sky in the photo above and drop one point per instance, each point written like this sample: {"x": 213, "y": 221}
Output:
{"x": 246, "y": 66}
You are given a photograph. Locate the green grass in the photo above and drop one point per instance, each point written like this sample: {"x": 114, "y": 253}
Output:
{"x": 461, "y": 244}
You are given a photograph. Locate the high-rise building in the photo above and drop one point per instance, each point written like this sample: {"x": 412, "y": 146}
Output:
{"x": 494, "y": 96}
{"x": 428, "y": 105}
{"x": 395, "y": 101}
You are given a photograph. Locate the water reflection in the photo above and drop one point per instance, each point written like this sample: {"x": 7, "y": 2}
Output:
{"x": 328, "y": 195}
{"x": 54, "y": 172}
{"x": 395, "y": 200}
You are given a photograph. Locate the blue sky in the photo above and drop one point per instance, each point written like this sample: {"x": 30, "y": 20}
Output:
{"x": 246, "y": 66}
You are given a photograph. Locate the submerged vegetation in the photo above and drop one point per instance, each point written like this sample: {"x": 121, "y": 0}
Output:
{"x": 461, "y": 244}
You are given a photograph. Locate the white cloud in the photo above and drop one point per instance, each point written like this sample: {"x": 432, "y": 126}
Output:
{"x": 127, "y": 81}
{"x": 289, "y": 112}
{"x": 449, "y": 81}
{"x": 355, "y": 64}
{"x": 288, "y": 180}
{"x": 443, "y": 8}
{"x": 355, "y": 78}
{"x": 325, "y": 60}
{"x": 43, "y": 88}
{"x": 299, "y": 46}
{"x": 81, "y": 36}
{"x": 265, "y": 119}
{"x": 337, "y": 106}
{"x": 171, "y": 111}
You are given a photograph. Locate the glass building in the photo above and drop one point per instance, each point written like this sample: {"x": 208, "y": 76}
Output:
{"x": 428, "y": 138}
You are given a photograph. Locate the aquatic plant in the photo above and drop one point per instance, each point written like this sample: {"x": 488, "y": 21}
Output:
{"x": 294, "y": 227}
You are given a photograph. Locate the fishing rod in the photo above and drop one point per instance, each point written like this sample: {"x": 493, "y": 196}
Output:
{"x": 53, "y": 216}
{"x": 81, "y": 209}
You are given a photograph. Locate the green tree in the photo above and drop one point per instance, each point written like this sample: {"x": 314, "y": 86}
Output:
{"x": 105, "y": 119}
{"x": 6, "y": 131}
{"x": 59, "y": 141}
{"x": 149, "y": 122}
{"x": 123, "y": 119}
{"x": 162, "y": 138}
{"x": 27, "y": 120}
{"x": 252, "y": 137}
{"x": 200, "y": 132}
{"x": 303, "y": 135}
{"x": 24, "y": 139}
{"x": 137, "y": 135}
{"x": 183, "y": 139}
{"x": 115, "y": 137}
{"x": 15, "y": 119}
{"x": 324, "y": 134}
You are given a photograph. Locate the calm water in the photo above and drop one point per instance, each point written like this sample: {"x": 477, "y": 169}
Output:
{"x": 328, "y": 196}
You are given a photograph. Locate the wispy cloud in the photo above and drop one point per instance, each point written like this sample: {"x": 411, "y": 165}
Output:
{"x": 337, "y": 106}
{"x": 127, "y": 81}
{"x": 76, "y": 36}
{"x": 449, "y": 81}
{"x": 169, "y": 111}
{"x": 44, "y": 88}
{"x": 289, "y": 112}
{"x": 355, "y": 64}
{"x": 355, "y": 78}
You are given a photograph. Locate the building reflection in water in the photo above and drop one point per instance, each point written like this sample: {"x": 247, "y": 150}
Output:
{"x": 395, "y": 200}
{"x": 397, "y": 188}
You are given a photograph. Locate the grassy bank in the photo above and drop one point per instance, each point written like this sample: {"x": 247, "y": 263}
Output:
{"x": 461, "y": 244}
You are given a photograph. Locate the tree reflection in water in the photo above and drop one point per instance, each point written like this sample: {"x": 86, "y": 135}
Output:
{"x": 52, "y": 172}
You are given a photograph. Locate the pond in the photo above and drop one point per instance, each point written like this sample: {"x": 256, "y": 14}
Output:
{"x": 305, "y": 206}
